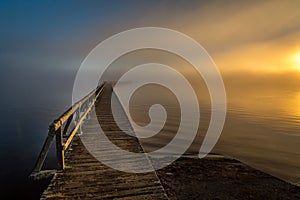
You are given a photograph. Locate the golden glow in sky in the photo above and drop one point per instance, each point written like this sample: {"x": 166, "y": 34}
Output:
{"x": 261, "y": 36}
{"x": 297, "y": 60}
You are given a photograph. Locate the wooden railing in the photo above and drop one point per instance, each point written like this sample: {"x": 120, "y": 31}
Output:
{"x": 60, "y": 128}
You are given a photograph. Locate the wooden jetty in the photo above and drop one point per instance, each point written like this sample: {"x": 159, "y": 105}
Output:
{"x": 80, "y": 175}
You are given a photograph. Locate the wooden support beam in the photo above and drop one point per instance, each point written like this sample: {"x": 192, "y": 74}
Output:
{"x": 60, "y": 155}
{"x": 44, "y": 152}
{"x": 67, "y": 125}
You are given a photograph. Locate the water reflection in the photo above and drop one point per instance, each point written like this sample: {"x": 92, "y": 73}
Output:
{"x": 294, "y": 106}
{"x": 262, "y": 128}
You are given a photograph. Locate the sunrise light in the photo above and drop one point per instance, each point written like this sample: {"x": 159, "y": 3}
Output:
{"x": 296, "y": 59}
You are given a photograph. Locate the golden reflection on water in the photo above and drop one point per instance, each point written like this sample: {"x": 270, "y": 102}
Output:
{"x": 262, "y": 127}
{"x": 295, "y": 106}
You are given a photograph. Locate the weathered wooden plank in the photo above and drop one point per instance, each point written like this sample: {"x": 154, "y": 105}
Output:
{"x": 84, "y": 177}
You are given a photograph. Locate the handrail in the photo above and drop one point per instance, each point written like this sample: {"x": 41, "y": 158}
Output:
{"x": 56, "y": 128}
{"x": 64, "y": 117}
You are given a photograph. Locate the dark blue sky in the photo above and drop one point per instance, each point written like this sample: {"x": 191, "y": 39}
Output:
{"x": 42, "y": 44}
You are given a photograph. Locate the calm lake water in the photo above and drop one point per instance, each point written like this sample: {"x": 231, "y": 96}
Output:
{"x": 261, "y": 129}
{"x": 24, "y": 130}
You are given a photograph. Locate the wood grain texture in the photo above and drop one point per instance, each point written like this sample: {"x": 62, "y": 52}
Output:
{"x": 86, "y": 178}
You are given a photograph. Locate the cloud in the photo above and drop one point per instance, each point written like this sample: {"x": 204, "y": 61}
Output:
{"x": 256, "y": 34}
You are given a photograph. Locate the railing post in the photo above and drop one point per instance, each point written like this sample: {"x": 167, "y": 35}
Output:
{"x": 67, "y": 125}
{"x": 77, "y": 120}
{"x": 44, "y": 152}
{"x": 87, "y": 106}
{"x": 59, "y": 149}
{"x": 88, "y": 116}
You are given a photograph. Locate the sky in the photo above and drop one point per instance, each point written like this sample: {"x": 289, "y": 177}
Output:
{"x": 44, "y": 43}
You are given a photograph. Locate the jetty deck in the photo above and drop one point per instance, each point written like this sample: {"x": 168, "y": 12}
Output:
{"x": 84, "y": 177}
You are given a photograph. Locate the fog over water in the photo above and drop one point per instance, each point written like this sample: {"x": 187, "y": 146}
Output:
{"x": 262, "y": 122}
{"x": 261, "y": 128}
{"x": 255, "y": 44}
